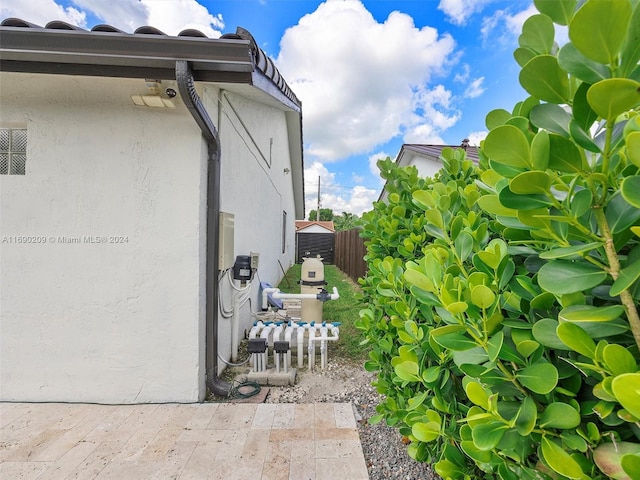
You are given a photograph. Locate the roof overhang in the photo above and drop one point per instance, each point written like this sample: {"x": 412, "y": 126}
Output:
{"x": 233, "y": 62}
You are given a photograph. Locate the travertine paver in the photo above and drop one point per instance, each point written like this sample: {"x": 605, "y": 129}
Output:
{"x": 180, "y": 442}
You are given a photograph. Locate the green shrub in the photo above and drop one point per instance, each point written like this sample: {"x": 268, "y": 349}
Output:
{"x": 503, "y": 299}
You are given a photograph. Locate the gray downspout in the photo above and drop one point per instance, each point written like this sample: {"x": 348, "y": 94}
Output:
{"x": 195, "y": 106}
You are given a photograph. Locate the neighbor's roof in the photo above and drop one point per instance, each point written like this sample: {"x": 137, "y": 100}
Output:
{"x": 61, "y": 48}
{"x": 302, "y": 224}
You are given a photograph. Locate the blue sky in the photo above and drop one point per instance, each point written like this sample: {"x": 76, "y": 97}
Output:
{"x": 371, "y": 74}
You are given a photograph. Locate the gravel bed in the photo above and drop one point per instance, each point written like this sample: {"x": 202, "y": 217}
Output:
{"x": 385, "y": 454}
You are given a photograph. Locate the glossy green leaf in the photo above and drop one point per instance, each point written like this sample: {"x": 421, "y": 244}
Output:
{"x": 559, "y": 415}
{"x": 426, "y": 432}
{"x": 599, "y": 27}
{"x": 570, "y": 251}
{"x": 540, "y": 150}
{"x": 633, "y": 148}
{"x": 491, "y": 204}
{"x": 560, "y": 11}
{"x": 417, "y": 400}
{"x": 609, "y": 457}
{"x": 463, "y": 245}
{"x": 630, "y": 463}
{"x": 523, "y": 202}
{"x": 544, "y": 331}
{"x": 494, "y": 345}
{"x": 630, "y": 190}
{"x": 574, "y": 62}
{"x": 561, "y": 277}
{"x": 423, "y": 199}
{"x": 582, "y": 111}
{"x": 497, "y": 117}
{"x": 589, "y": 313}
{"x": 537, "y": 34}
{"x": 559, "y": 460}
{"x": 523, "y": 55}
{"x": 419, "y": 279}
{"x": 627, "y": 276}
{"x": 620, "y": 214}
{"x": 507, "y": 144}
{"x": 531, "y": 182}
{"x": 473, "y": 356}
{"x": 582, "y": 138}
{"x": 551, "y": 117}
{"x": 539, "y": 378}
{"x": 543, "y": 78}
{"x": 577, "y": 339}
{"x": 564, "y": 155}
{"x": 626, "y": 388}
{"x": 482, "y": 296}
{"x": 408, "y": 371}
{"x": 455, "y": 341}
{"x": 613, "y": 96}
{"x": 631, "y": 49}
{"x": 619, "y": 360}
{"x": 487, "y": 436}
{"x": 526, "y": 417}
{"x": 477, "y": 394}
{"x": 581, "y": 202}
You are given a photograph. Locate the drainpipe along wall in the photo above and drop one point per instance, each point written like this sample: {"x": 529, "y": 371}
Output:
{"x": 195, "y": 106}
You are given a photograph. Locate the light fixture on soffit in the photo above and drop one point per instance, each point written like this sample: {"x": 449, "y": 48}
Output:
{"x": 155, "y": 97}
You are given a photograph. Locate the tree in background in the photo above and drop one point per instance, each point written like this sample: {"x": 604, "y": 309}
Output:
{"x": 326, "y": 215}
{"x": 346, "y": 221}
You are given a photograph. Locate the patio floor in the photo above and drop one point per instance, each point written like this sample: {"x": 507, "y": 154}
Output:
{"x": 180, "y": 441}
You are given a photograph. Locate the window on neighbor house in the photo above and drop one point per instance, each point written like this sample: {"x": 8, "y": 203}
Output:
{"x": 284, "y": 231}
{"x": 13, "y": 151}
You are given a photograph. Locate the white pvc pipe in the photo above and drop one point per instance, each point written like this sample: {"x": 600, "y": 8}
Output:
{"x": 300, "y": 341}
{"x": 276, "y": 293}
{"x": 288, "y": 333}
{"x": 311, "y": 351}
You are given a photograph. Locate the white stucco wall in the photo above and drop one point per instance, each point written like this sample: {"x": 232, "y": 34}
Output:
{"x": 101, "y": 322}
{"x": 427, "y": 167}
{"x": 125, "y": 322}
{"x": 257, "y": 190}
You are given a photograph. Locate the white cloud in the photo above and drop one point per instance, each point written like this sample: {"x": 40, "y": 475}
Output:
{"x": 459, "y": 11}
{"x": 463, "y": 76}
{"x": 434, "y": 116}
{"x": 475, "y": 88}
{"x": 170, "y": 16}
{"x": 476, "y": 137}
{"x": 41, "y": 12}
{"x": 503, "y": 27}
{"x": 359, "y": 80}
{"x": 355, "y": 200}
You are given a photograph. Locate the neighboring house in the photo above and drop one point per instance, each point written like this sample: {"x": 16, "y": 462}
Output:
{"x": 117, "y": 153}
{"x": 315, "y": 238}
{"x": 426, "y": 158}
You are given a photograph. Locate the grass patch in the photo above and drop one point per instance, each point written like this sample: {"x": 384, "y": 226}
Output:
{"x": 344, "y": 310}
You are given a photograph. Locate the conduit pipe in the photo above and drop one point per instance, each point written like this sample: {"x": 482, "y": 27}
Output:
{"x": 186, "y": 86}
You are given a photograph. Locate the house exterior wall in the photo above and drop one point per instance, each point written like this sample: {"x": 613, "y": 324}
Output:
{"x": 427, "y": 167}
{"x": 257, "y": 191}
{"x": 121, "y": 321}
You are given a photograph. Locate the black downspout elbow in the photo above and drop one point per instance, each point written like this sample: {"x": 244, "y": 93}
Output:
{"x": 192, "y": 101}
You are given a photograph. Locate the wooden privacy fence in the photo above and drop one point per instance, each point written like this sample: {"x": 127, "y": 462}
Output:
{"x": 350, "y": 252}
